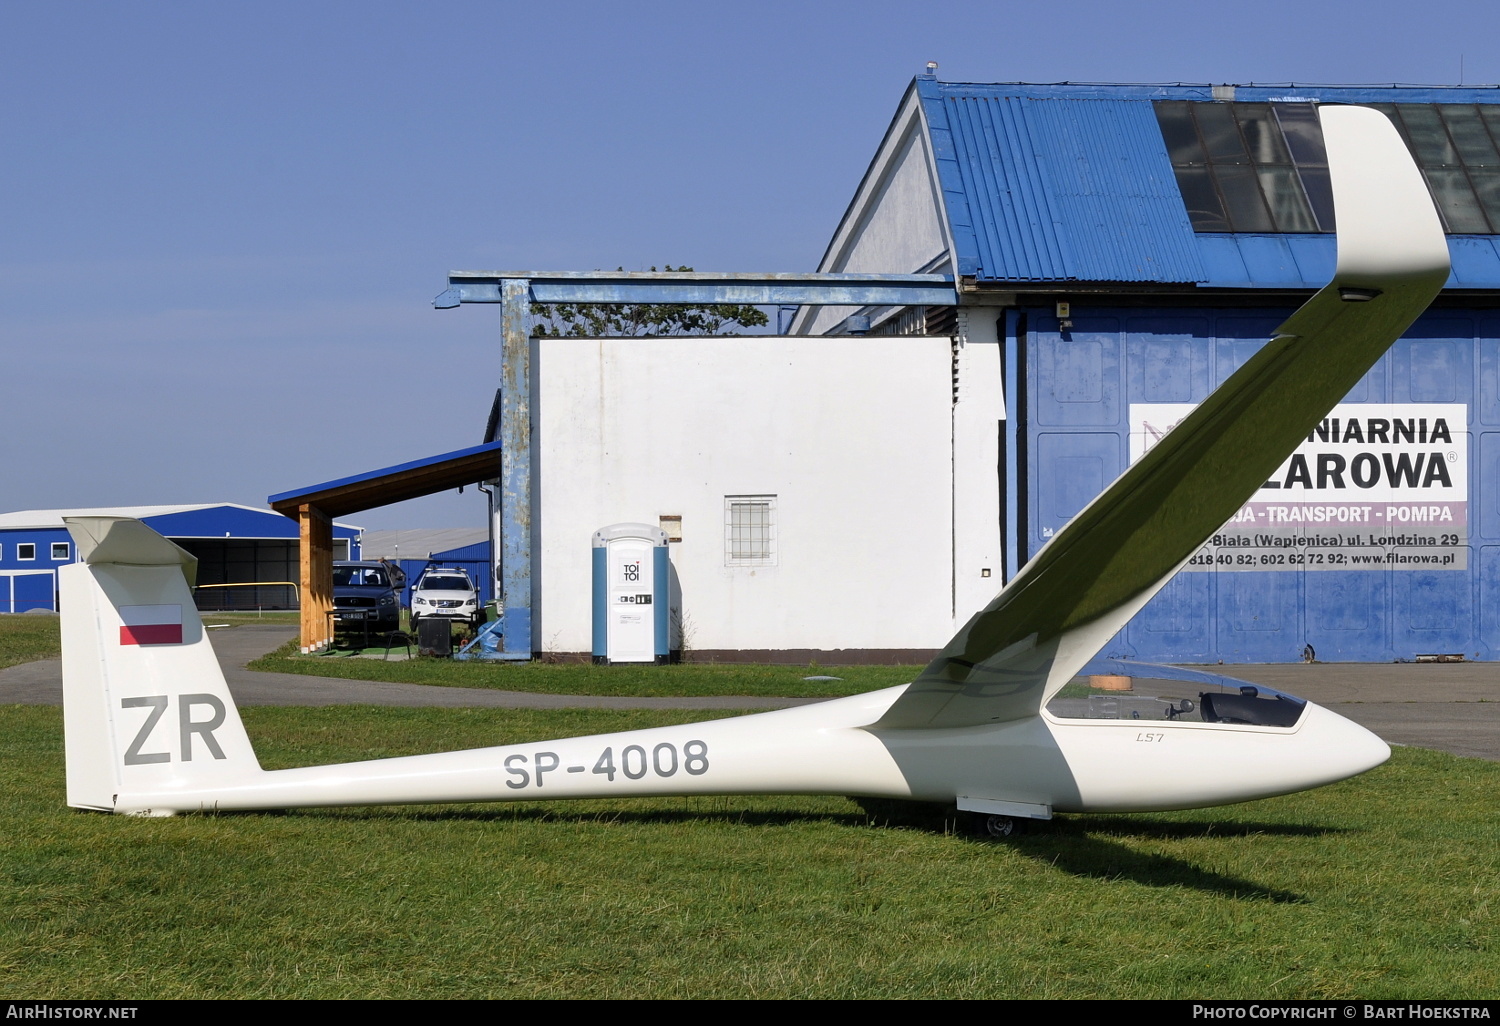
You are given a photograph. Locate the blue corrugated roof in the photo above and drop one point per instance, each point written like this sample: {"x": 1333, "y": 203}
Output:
{"x": 1072, "y": 182}
{"x": 394, "y": 484}
{"x": 1055, "y": 189}
{"x": 371, "y": 475}
{"x": 1307, "y": 261}
{"x": 224, "y": 521}
{"x": 1284, "y": 92}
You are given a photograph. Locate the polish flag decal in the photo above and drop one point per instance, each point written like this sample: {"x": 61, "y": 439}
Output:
{"x": 151, "y": 625}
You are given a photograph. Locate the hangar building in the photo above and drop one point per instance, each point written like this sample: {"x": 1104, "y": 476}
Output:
{"x": 236, "y": 545}
{"x": 1124, "y": 249}
{"x": 417, "y": 550}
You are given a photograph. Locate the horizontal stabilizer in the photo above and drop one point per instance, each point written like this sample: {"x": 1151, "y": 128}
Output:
{"x": 127, "y": 542}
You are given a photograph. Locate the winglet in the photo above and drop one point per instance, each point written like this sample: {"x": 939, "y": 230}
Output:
{"x": 1388, "y": 229}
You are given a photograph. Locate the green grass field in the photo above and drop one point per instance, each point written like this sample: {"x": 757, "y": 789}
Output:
{"x": 27, "y": 637}
{"x": 1383, "y": 886}
{"x": 687, "y": 679}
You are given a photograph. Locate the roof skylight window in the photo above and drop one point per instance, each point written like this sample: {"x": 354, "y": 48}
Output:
{"x": 1249, "y": 167}
{"x": 1261, "y": 167}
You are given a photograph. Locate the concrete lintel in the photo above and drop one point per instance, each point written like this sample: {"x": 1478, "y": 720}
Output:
{"x": 989, "y": 299}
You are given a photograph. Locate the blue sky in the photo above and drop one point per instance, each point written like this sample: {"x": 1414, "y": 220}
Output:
{"x": 222, "y": 224}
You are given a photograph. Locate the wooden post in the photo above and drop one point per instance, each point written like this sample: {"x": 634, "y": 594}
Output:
{"x": 315, "y": 554}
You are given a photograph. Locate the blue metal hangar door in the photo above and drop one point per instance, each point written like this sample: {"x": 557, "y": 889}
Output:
{"x": 1379, "y": 540}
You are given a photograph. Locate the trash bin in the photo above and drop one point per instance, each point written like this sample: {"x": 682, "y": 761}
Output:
{"x": 435, "y": 637}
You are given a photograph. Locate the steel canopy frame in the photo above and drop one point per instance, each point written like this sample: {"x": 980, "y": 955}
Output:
{"x": 699, "y": 288}
{"x": 515, "y": 291}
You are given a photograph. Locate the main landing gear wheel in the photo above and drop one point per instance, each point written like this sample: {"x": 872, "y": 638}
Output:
{"x": 996, "y": 826}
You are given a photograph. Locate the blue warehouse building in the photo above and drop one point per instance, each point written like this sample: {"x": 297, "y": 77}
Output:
{"x": 416, "y": 551}
{"x": 1125, "y": 249}
{"x": 253, "y": 551}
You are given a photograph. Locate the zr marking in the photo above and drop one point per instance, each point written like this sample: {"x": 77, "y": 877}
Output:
{"x": 186, "y": 727}
{"x": 158, "y": 705}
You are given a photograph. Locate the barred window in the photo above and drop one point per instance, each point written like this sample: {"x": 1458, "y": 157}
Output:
{"x": 749, "y": 530}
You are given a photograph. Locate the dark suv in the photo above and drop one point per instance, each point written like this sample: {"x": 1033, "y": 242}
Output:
{"x": 364, "y": 596}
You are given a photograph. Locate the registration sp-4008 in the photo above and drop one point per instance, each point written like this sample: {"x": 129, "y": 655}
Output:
{"x": 634, "y": 762}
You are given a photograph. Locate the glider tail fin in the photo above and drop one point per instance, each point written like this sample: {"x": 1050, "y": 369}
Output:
{"x": 146, "y": 709}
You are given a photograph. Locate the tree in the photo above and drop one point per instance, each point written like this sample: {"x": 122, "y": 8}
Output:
{"x": 591, "y": 320}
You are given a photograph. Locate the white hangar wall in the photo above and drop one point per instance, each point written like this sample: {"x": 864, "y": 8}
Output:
{"x": 850, "y": 440}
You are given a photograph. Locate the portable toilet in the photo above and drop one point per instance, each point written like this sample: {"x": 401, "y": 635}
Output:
{"x": 631, "y": 580}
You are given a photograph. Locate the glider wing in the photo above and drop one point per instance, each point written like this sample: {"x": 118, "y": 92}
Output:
{"x": 1120, "y": 550}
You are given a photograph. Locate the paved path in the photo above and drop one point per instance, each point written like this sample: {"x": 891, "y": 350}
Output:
{"x": 1454, "y": 707}
{"x": 40, "y": 683}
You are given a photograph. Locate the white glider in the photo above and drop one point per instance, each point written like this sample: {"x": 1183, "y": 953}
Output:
{"x": 152, "y": 730}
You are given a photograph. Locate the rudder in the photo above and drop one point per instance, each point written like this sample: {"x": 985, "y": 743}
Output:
{"x": 146, "y": 708}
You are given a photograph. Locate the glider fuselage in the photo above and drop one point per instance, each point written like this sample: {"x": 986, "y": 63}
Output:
{"x": 1043, "y": 763}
